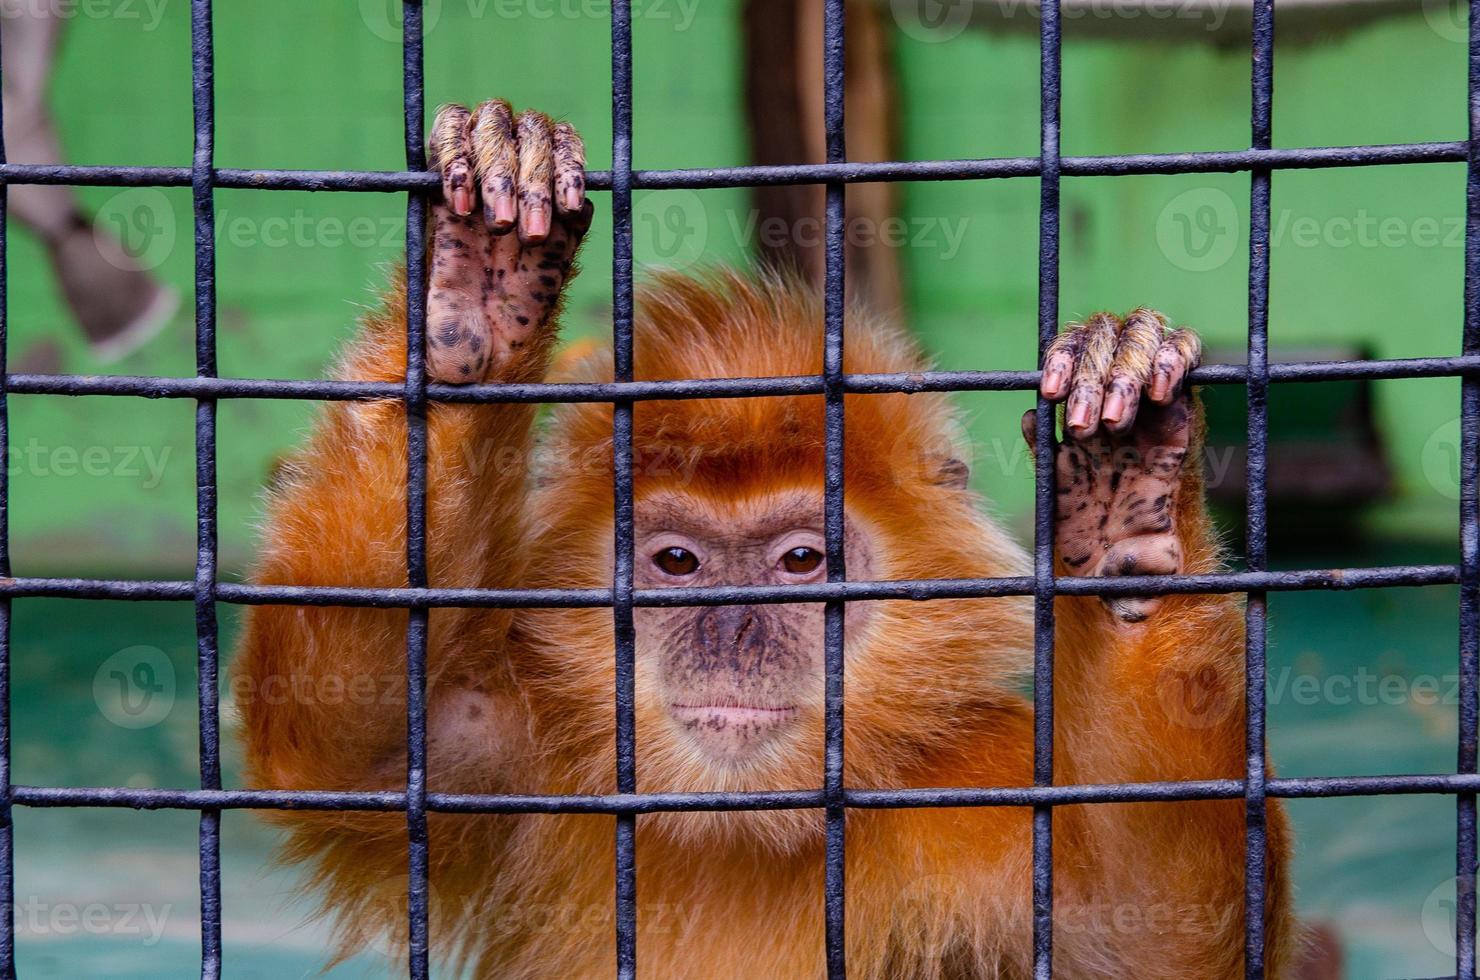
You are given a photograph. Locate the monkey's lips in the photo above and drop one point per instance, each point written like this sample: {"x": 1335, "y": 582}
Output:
{"x": 738, "y": 719}
{"x": 728, "y": 730}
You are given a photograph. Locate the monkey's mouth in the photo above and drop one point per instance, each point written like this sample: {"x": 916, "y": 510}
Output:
{"x": 725, "y": 730}
{"x": 742, "y": 720}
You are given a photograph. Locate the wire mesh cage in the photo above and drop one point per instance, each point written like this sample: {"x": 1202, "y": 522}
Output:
{"x": 833, "y": 798}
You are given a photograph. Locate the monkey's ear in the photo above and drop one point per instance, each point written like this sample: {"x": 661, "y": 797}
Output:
{"x": 947, "y": 471}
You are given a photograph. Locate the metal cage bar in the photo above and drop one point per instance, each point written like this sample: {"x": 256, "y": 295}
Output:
{"x": 7, "y": 830}
{"x": 1469, "y": 535}
{"x": 832, "y": 798}
{"x": 917, "y": 590}
{"x": 623, "y": 524}
{"x": 1261, "y": 84}
{"x": 1204, "y": 162}
{"x": 834, "y": 323}
{"x": 206, "y": 633}
{"x": 75, "y": 385}
{"x": 1049, "y": 58}
{"x": 417, "y": 843}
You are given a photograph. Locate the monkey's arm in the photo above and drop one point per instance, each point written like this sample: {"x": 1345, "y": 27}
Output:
{"x": 322, "y": 689}
{"x": 1156, "y": 672}
{"x": 1148, "y": 689}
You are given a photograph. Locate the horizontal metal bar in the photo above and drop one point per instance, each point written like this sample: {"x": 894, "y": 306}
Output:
{"x": 556, "y": 393}
{"x": 1216, "y": 161}
{"x": 196, "y": 799}
{"x": 1213, "y": 161}
{"x": 1306, "y": 787}
{"x": 853, "y": 591}
{"x": 800, "y": 799}
{"x": 891, "y": 799}
{"x": 77, "y": 175}
{"x": 1129, "y": 585}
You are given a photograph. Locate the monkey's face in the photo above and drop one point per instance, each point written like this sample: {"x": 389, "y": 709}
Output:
{"x": 734, "y": 687}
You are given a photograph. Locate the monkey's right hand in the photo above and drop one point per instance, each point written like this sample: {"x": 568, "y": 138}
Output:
{"x": 1130, "y": 424}
{"x": 502, "y": 241}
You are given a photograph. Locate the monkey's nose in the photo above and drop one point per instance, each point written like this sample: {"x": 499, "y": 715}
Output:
{"x": 733, "y": 633}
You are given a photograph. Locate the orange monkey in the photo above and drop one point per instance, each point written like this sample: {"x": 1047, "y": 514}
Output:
{"x": 730, "y": 698}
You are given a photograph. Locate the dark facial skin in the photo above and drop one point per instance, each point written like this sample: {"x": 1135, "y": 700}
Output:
{"x": 732, "y": 678}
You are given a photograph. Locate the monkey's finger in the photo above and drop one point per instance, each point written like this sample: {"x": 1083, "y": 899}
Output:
{"x": 498, "y": 162}
{"x": 529, "y": 283}
{"x": 541, "y": 270}
{"x": 1030, "y": 432}
{"x": 1087, "y": 391}
{"x": 536, "y": 174}
{"x": 1145, "y": 554}
{"x": 1179, "y": 353}
{"x": 1058, "y": 364}
{"x": 1134, "y": 353}
{"x": 579, "y": 223}
{"x": 570, "y": 168}
{"x": 1166, "y": 426}
{"x": 449, "y": 151}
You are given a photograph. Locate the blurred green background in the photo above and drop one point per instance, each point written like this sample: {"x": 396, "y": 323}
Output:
{"x": 1366, "y": 259}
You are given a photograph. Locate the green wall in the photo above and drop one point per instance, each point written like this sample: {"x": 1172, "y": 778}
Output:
{"x": 1369, "y": 256}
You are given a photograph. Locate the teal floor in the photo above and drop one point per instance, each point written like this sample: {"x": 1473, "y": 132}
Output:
{"x": 113, "y": 893}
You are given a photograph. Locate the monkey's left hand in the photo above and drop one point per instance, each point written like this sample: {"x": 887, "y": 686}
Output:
{"x": 1128, "y": 424}
{"x": 502, "y": 240}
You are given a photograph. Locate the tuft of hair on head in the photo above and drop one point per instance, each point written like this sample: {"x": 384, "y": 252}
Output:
{"x": 765, "y": 322}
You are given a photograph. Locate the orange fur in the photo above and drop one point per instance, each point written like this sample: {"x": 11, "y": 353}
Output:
{"x": 522, "y": 701}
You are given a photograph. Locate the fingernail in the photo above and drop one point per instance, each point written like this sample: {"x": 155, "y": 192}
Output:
{"x": 462, "y": 200}
{"x": 1079, "y": 413}
{"x": 1159, "y": 383}
{"x": 503, "y": 210}
{"x": 1114, "y": 408}
{"x": 1054, "y": 377}
{"x": 571, "y": 198}
{"x": 1053, "y": 381}
{"x": 536, "y": 223}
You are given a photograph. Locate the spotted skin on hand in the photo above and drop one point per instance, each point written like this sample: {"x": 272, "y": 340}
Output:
{"x": 499, "y": 254}
{"x": 1128, "y": 429}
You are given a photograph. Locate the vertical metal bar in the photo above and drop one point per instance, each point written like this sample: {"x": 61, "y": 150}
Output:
{"x": 202, "y": 181}
{"x": 1262, "y": 94}
{"x": 624, "y": 635}
{"x": 1050, "y": 36}
{"x": 7, "y": 864}
{"x": 1469, "y": 535}
{"x": 833, "y": 41}
{"x": 416, "y": 499}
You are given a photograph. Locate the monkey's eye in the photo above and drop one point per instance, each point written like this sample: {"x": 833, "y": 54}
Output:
{"x": 677, "y": 561}
{"x": 801, "y": 561}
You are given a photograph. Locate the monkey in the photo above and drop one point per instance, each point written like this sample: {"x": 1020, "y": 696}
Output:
{"x": 729, "y": 491}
